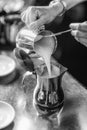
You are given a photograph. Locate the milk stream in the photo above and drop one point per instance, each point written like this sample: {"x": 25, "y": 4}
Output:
{"x": 47, "y": 58}
{"x": 45, "y": 51}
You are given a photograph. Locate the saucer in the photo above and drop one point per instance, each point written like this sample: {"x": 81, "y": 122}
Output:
{"x": 7, "y": 65}
{"x": 7, "y": 114}
{"x": 7, "y": 69}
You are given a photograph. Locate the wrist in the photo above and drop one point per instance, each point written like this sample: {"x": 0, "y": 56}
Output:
{"x": 63, "y": 3}
{"x": 59, "y": 6}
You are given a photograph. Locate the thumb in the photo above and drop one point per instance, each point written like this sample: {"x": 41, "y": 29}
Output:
{"x": 28, "y": 16}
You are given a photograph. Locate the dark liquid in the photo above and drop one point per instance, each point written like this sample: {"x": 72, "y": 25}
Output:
{"x": 49, "y": 101}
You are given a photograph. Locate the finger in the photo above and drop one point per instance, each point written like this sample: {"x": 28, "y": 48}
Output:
{"x": 83, "y": 26}
{"x": 74, "y": 26}
{"x": 24, "y": 15}
{"x": 29, "y": 15}
{"x": 79, "y": 34}
{"x": 37, "y": 24}
{"x": 83, "y": 41}
{"x": 32, "y": 15}
{"x": 79, "y": 26}
{"x": 76, "y": 39}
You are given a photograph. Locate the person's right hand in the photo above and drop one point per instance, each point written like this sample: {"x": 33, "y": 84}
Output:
{"x": 79, "y": 31}
{"x": 37, "y": 16}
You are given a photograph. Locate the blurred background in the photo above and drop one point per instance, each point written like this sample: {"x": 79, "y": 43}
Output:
{"x": 69, "y": 52}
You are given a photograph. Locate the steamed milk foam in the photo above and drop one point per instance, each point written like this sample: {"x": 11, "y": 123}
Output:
{"x": 44, "y": 48}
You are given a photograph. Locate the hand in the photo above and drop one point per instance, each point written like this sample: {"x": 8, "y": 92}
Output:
{"x": 37, "y": 16}
{"x": 79, "y": 31}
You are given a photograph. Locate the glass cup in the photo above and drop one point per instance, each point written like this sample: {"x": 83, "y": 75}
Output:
{"x": 48, "y": 97}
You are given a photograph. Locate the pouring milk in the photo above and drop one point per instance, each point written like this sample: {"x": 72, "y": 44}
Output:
{"x": 44, "y": 48}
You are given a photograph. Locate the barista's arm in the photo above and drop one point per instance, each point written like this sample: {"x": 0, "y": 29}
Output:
{"x": 40, "y": 15}
{"x": 72, "y": 3}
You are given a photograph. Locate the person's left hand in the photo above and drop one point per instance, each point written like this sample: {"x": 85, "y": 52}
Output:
{"x": 79, "y": 31}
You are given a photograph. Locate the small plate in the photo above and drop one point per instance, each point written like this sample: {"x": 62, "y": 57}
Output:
{"x": 7, "y": 65}
{"x": 7, "y": 114}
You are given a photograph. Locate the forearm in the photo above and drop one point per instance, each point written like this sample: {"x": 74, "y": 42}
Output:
{"x": 72, "y": 3}
{"x": 60, "y": 6}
